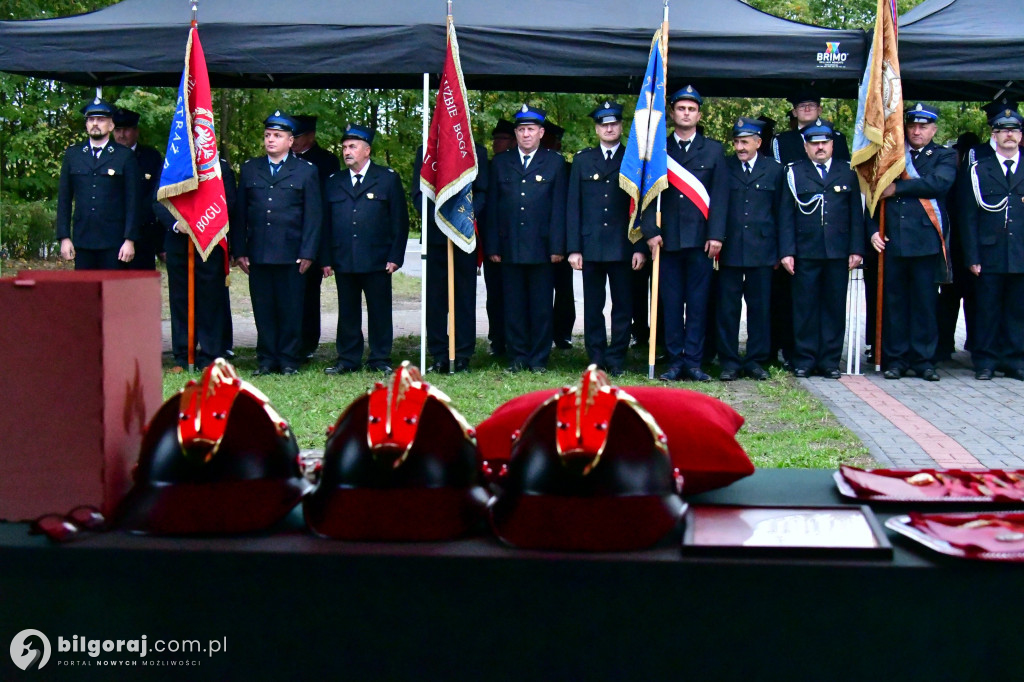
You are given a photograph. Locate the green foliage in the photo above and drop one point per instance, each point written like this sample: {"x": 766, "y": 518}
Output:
{"x": 26, "y": 228}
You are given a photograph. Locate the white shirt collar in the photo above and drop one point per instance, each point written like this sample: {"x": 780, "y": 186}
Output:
{"x": 614, "y": 150}
{"x": 532, "y": 154}
{"x": 361, "y": 171}
{"x": 681, "y": 140}
{"x": 1003, "y": 159}
{"x": 751, "y": 162}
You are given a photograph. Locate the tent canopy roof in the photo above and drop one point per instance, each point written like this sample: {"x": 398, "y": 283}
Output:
{"x": 724, "y": 47}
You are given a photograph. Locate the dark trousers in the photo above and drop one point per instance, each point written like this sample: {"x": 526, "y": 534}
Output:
{"x": 229, "y": 327}
{"x": 819, "y": 312}
{"x": 620, "y": 284}
{"x": 782, "y": 314}
{"x": 437, "y": 302}
{"x": 98, "y": 259}
{"x": 276, "y": 292}
{"x": 684, "y": 290}
{"x": 312, "y": 280}
{"x": 950, "y": 296}
{"x": 909, "y": 299}
{"x": 376, "y": 287}
{"x": 735, "y": 285}
{"x": 210, "y": 304}
{"x": 998, "y": 338}
{"x": 528, "y": 312}
{"x": 564, "y": 309}
{"x": 495, "y": 305}
{"x": 641, "y": 289}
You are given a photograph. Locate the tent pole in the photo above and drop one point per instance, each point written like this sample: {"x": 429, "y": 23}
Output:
{"x": 423, "y": 234}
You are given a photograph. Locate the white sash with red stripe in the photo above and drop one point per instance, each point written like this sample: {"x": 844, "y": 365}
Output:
{"x": 687, "y": 183}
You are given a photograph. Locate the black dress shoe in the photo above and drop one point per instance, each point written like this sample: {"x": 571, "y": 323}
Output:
{"x": 929, "y": 375}
{"x": 380, "y": 367}
{"x": 340, "y": 369}
{"x": 614, "y": 371}
{"x": 759, "y": 373}
{"x": 697, "y": 374}
{"x": 263, "y": 371}
{"x": 831, "y": 373}
{"x": 801, "y": 373}
{"x": 229, "y": 353}
{"x": 289, "y": 371}
{"x": 728, "y": 375}
{"x": 892, "y": 373}
{"x": 439, "y": 367}
{"x": 673, "y": 374}
{"x": 983, "y": 375}
{"x": 495, "y": 350}
{"x": 787, "y": 365}
{"x": 461, "y": 364}
{"x": 563, "y": 344}
{"x": 538, "y": 369}
{"x": 1017, "y": 374}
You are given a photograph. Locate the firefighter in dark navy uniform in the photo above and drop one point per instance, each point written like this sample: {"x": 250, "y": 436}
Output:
{"x": 597, "y": 227}
{"x": 915, "y": 251}
{"x": 787, "y": 148}
{"x": 689, "y": 242}
{"x": 277, "y": 236}
{"x": 991, "y": 204}
{"x": 503, "y": 138}
{"x": 98, "y": 196}
{"x": 437, "y": 268}
{"x": 366, "y": 228}
{"x": 306, "y": 148}
{"x": 564, "y": 308}
{"x": 824, "y": 219}
{"x": 753, "y": 246}
{"x": 526, "y": 233}
{"x": 151, "y": 163}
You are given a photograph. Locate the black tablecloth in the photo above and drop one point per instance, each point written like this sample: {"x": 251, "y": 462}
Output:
{"x": 288, "y": 602}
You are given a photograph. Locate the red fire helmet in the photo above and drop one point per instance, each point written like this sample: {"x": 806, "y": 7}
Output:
{"x": 400, "y": 464}
{"x": 216, "y": 458}
{"x": 588, "y": 471}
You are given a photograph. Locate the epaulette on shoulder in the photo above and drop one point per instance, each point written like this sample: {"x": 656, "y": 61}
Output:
{"x": 586, "y": 150}
{"x": 332, "y": 175}
{"x": 391, "y": 170}
{"x": 248, "y": 161}
{"x": 308, "y": 163}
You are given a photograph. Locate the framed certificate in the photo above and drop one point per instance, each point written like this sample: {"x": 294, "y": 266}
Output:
{"x": 742, "y": 531}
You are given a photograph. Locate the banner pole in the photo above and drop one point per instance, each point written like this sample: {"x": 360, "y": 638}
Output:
{"x": 656, "y": 252}
{"x": 451, "y": 260}
{"x": 423, "y": 233}
{"x": 191, "y": 306}
{"x": 881, "y": 278}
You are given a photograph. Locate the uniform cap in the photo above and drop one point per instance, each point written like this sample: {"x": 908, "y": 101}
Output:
{"x": 608, "y": 112}
{"x": 921, "y": 113}
{"x": 98, "y": 107}
{"x": 528, "y": 115}
{"x": 279, "y": 121}
{"x": 745, "y": 127}
{"x": 126, "y": 118}
{"x": 304, "y": 124}
{"x": 689, "y": 92}
{"x": 819, "y": 131}
{"x": 354, "y": 131}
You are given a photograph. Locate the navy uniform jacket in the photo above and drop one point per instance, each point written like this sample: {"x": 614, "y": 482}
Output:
{"x": 151, "y": 164}
{"x": 752, "y": 235}
{"x": 434, "y": 235}
{"x": 278, "y": 217}
{"x": 835, "y": 229}
{"x": 597, "y": 209}
{"x": 105, "y": 193}
{"x": 326, "y": 163}
{"x": 682, "y": 224}
{"x": 788, "y": 147}
{"x": 909, "y": 231}
{"x": 526, "y": 208}
{"x": 994, "y": 240}
{"x": 365, "y": 227}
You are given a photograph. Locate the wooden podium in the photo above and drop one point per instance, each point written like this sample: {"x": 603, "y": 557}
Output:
{"x": 81, "y": 377}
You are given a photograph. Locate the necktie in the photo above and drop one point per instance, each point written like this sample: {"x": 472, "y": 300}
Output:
{"x": 685, "y": 146}
{"x": 96, "y": 152}
{"x": 822, "y": 170}
{"x": 608, "y": 154}
{"x": 358, "y": 180}
{"x": 1009, "y": 168}
{"x": 913, "y": 154}
{"x": 746, "y": 167}
{"x": 526, "y": 160}
{"x": 274, "y": 167}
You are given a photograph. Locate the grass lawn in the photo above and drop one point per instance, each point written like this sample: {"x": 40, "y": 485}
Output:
{"x": 785, "y": 425}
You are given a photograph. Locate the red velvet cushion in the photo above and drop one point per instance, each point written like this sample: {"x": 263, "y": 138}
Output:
{"x": 701, "y": 433}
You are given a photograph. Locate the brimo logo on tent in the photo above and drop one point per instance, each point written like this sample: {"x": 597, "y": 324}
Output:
{"x": 30, "y": 649}
{"x": 832, "y": 58}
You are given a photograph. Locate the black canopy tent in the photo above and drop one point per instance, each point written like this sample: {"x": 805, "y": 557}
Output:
{"x": 962, "y": 49}
{"x": 723, "y": 47}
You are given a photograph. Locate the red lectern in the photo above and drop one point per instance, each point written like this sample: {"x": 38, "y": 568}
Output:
{"x": 80, "y": 377}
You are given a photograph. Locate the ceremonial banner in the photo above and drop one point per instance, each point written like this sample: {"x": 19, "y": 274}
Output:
{"x": 644, "y": 174}
{"x": 449, "y": 160}
{"x": 877, "y": 153}
{"x": 191, "y": 186}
